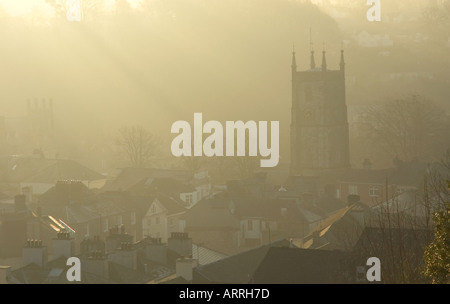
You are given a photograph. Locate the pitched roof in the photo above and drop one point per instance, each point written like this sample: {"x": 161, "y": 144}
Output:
{"x": 205, "y": 255}
{"x": 41, "y": 170}
{"x": 129, "y": 177}
{"x": 171, "y": 205}
{"x": 53, "y": 273}
{"x": 236, "y": 269}
{"x": 340, "y": 230}
{"x": 169, "y": 186}
{"x": 304, "y": 266}
{"x": 211, "y": 214}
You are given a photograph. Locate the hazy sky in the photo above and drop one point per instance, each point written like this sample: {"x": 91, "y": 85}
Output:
{"x": 167, "y": 59}
{"x": 23, "y": 7}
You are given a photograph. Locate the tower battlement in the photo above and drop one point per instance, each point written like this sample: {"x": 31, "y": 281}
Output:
{"x": 319, "y": 127}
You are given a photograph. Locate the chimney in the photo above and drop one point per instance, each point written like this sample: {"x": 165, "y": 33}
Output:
{"x": 156, "y": 251}
{"x": 185, "y": 268}
{"x": 125, "y": 256}
{"x": 116, "y": 238}
{"x": 5, "y": 273}
{"x": 96, "y": 263}
{"x": 28, "y": 192}
{"x": 63, "y": 245}
{"x": 180, "y": 243}
{"x": 88, "y": 246}
{"x": 34, "y": 252}
{"x": 19, "y": 203}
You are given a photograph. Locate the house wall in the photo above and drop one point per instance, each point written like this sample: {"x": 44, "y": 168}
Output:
{"x": 195, "y": 197}
{"x": 251, "y": 228}
{"x": 362, "y": 191}
{"x": 155, "y": 221}
{"x": 100, "y": 226}
{"x": 13, "y": 235}
{"x": 204, "y": 190}
{"x": 158, "y": 224}
{"x": 174, "y": 224}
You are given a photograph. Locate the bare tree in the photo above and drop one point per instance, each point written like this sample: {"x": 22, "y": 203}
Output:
{"x": 403, "y": 230}
{"x": 409, "y": 129}
{"x": 137, "y": 145}
{"x": 437, "y": 13}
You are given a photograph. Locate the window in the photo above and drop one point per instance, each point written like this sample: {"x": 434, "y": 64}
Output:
{"x": 353, "y": 189}
{"x": 250, "y": 225}
{"x": 87, "y": 229}
{"x": 105, "y": 225}
{"x": 119, "y": 220}
{"x": 149, "y": 222}
{"x": 171, "y": 222}
{"x": 133, "y": 218}
{"x": 263, "y": 225}
{"x": 157, "y": 220}
{"x": 153, "y": 210}
{"x": 188, "y": 199}
{"x": 374, "y": 191}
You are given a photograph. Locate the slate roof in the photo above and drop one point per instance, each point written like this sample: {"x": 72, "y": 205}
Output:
{"x": 236, "y": 269}
{"x": 206, "y": 256}
{"x": 340, "y": 230}
{"x": 41, "y": 170}
{"x": 50, "y": 197}
{"x": 224, "y": 210}
{"x": 212, "y": 214}
{"x": 53, "y": 273}
{"x": 170, "y": 204}
{"x": 169, "y": 186}
{"x": 91, "y": 206}
{"x": 129, "y": 177}
{"x": 283, "y": 265}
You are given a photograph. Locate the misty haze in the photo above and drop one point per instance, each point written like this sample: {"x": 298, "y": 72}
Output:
{"x": 321, "y": 153}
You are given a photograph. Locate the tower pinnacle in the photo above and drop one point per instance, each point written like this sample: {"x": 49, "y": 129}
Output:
{"x": 324, "y": 59}
{"x": 342, "y": 64}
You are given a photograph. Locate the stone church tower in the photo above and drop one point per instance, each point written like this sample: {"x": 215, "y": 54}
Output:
{"x": 319, "y": 127}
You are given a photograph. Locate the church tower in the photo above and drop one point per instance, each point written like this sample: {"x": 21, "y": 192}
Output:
{"x": 319, "y": 127}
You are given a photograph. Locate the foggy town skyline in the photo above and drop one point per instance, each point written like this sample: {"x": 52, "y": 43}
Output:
{"x": 224, "y": 142}
{"x": 155, "y": 62}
